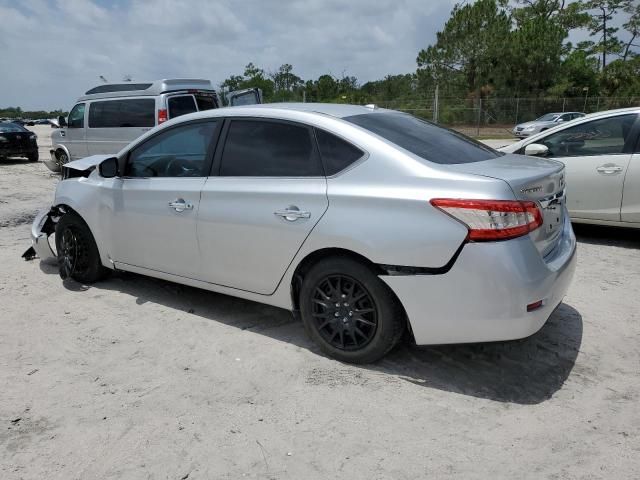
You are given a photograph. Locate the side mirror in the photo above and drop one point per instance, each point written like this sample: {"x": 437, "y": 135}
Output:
{"x": 62, "y": 122}
{"x": 536, "y": 150}
{"x": 108, "y": 168}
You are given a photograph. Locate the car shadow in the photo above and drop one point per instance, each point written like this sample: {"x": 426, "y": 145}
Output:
{"x": 612, "y": 236}
{"x": 527, "y": 371}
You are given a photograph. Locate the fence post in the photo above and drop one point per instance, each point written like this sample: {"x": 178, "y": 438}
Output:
{"x": 598, "y": 105}
{"x": 517, "y": 106}
{"x": 479, "y": 115}
{"x": 435, "y": 105}
{"x": 564, "y": 100}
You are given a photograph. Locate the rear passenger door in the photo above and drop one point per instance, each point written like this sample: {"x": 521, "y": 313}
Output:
{"x": 113, "y": 124}
{"x": 266, "y": 192}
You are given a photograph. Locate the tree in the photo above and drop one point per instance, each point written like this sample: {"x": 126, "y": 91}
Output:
{"x": 468, "y": 50}
{"x": 601, "y": 25}
{"x": 285, "y": 82}
{"x": 632, "y": 26}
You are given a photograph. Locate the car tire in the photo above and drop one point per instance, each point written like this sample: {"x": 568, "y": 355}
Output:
{"x": 33, "y": 157}
{"x": 350, "y": 313}
{"x": 62, "y": 157}
{"x": 78, "y": 255}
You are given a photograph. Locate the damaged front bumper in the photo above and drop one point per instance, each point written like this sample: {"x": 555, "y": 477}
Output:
{"x": 43, "y": 226}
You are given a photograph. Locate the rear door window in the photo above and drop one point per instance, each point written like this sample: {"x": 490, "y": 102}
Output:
{"x": 138, "y": 112}
{"x": 336, "y": 153}
{"x": 181, "y": 105}
{"x": 205, "y": 101}
{"x": 427, "y": 140}
{"x": 257, "y": 148}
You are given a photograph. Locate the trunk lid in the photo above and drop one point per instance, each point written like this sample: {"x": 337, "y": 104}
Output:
{"x": 530, "y": 178}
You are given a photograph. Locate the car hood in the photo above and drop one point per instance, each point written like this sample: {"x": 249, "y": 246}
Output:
{"x": 87, "y": 162}
{"x": 525, "y": 124}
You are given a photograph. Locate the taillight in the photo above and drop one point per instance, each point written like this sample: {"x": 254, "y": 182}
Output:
{"x": 492, "y": 219}
{"x": 162, "y": 115}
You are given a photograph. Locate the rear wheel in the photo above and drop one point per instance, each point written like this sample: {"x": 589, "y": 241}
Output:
{"x": 349, "y": 312}
{"x": 78, "y": 255}
{"x": 33, "y": 157}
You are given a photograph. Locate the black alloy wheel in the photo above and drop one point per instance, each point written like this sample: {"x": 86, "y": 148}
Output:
{"x": 345, "y": 312}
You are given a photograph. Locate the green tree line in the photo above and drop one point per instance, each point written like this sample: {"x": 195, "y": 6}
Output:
{"x": 492, "y": 48}
{"x": 17, "y": 112}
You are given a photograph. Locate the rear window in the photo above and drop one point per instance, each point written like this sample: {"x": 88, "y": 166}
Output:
{"x": 138, "y": 112}
{"x": 424, "y": 139}
{"x": 205, "y": 101}
{"x": 11, "y": 127}
{"x": 181, "y": 105}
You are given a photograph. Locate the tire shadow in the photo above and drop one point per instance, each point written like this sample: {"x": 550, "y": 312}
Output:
{"x": 527, "y": 371}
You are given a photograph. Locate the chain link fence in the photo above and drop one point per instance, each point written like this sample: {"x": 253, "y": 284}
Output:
{"x": 495, "y": 117}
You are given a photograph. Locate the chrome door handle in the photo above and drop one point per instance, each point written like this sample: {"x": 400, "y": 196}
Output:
{"x": 179, "y": 205}
{"x": 292, "y": 213}
{"x": 608, "y": 169}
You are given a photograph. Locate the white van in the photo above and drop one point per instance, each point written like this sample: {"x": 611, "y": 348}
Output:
{"x": 110, "y": 116}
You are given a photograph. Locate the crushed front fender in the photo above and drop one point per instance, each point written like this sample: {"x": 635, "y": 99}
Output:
{"x": 43, "y": 226}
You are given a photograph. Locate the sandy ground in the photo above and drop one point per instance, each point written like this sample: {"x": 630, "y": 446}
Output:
{"x": 136, "y": 378}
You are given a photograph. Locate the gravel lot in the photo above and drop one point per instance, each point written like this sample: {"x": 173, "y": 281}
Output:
{"x": 141, "y": 378}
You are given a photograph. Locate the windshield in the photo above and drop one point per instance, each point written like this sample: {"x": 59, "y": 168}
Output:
{"x": 548, "y": 117}
{"x": 11, "y": 127}
{"x": 424, "y": 139}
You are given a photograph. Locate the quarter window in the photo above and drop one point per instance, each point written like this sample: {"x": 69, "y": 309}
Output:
{"x": 76, "y": 117}
{"x": 178, "y": 152}
{"x": 256, "y": 148}
{"x": 599, "y": 137}
{"x": 135, "y": 112}
{"x": 336, "y": 153}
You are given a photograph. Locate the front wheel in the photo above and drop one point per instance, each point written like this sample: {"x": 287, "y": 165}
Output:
{"x": 33, "y": 157}
{"x": 62, "y": 157}
{"x": 349, "y": 312}
{"x": 78, "y": 255}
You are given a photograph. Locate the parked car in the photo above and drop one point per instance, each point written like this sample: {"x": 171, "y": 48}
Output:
{"x": 364, "y": 221}
{"x": 543, "y": 123}
{"x": 17, "y": 141}
{"x": 109, "y": 116}
{"x": 601, "y": 154}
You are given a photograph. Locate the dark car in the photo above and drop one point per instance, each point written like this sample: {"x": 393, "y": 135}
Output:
{"x": 17, "y": 141}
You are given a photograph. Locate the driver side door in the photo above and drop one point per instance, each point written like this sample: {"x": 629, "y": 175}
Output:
{"x": 155, "y": 204}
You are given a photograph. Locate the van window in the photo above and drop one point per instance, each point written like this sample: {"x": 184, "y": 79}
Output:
{"x": 76, "y": 117}
{"x": 205, "y": 101}
{"x": 181, "y": 105}
{"x": 135, "y": 112}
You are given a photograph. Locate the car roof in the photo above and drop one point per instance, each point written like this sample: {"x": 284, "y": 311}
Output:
{"x": 337, "y": 110}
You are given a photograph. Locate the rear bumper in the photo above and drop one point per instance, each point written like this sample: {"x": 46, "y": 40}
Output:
{"x": 40, "y": 231}
{"x": 18, "y": 151}
{"x": 484, "y": 296}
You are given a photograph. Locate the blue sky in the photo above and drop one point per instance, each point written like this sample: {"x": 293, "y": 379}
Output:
{"x": 53, "y": 51}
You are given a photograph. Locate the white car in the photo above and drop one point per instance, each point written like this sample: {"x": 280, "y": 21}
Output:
{"x": 601, "y": 153}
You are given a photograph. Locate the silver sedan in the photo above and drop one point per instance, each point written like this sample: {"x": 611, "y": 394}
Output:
{"x": 364, "y": 222}
{"x": 545, "y": 122}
